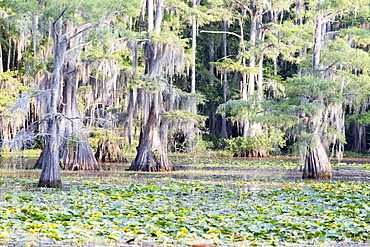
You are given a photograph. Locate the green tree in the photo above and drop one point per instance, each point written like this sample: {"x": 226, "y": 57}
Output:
{"x": 71, "y": 28}
{"x": 323, "y": 84}
{"x": 164, "y": 55}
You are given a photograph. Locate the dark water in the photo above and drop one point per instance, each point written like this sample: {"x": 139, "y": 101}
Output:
{"x": 24, "y": 168}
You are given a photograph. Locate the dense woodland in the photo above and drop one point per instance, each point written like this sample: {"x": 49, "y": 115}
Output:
{"x": 84, "y": 80}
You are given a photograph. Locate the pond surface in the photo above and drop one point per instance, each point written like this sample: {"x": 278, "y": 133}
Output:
{"x": 242, "y": 169}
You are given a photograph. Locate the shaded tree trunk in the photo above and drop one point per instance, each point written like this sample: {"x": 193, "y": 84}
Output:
{"x": 162, "y": 59}
{"x": 225, "y": 83}
{"x": 49, "y": 158}
{"x": 109, "y": 151}
{"x": 317, "y": 164}
{"x": 212, "y": 117}
{"x": 359, "y": 137}
{"x": 75, "y": 150}
{"x": 193, "y": 47}
{"x": 152, "y": 153}
{"x": 252, "y": 82}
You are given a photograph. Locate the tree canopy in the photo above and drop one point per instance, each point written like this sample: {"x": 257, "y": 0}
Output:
{"x": 293, "y": 73}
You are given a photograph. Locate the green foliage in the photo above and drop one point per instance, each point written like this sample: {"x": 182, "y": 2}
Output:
{"x": 213, "y": 142}
{"x": 362, "y": 118}
{"x": 289, "y": 39}
{"x": 240, "y": 110}
{"x": 112, "y": 211}
{"x": 186, "y": 117}
{"x": 314, "y": 90}
{"x": 10, "y": 88}
{"x": 72, "y": 143}
{"x": 97, "y": 134}
{"x": 26, "y": 153}
{"x": 261, "y": 141}
{"x": 228, "y": 65}
{"x": 341, "y": 53}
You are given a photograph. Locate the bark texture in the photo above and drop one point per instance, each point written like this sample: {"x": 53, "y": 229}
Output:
{"x": 49, "y": 158}
{"x": 75, "y": 151}
{"x": 359, "y": 137}
{"x": 317, "y": 164}
{"x": 152, "y": 153}
{"x": 163, "y": 59}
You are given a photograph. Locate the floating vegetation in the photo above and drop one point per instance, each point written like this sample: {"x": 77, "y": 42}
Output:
{"x": 166, "y": 211}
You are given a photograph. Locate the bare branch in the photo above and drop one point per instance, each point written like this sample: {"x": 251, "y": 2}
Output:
{"x": 222, "y": 32}
{"x": 83, "y": 30}
{"x": 80, "y": 45}
{"x": 245, "y": 7}
{"x": 60, "y": 16}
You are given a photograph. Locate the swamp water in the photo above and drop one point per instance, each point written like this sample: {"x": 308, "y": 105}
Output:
{"x": 283, "y": 169}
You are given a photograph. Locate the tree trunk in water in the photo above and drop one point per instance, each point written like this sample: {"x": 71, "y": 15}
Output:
{"x": 317, "y": 164}
{"x": 109, "y": 151}
{"x": 161, "y": 60}
{"x": 74, "y": 150}
{"x": 49, "y": 158}
{"x": 152, "y": 153}
{"x": 253, "y": 153}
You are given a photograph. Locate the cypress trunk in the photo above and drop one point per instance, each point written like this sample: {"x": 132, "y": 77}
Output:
{"x": 359, "y": 137}
{"x": 152, "y": 153}
{"x": 317, "y": 164}
{"x": 148, "y": 103}
{"x": 225, "y": 83}
{"x": 49, "y": 158}
{"x": 75, "y": 151}
{"x": 108, "y": 151}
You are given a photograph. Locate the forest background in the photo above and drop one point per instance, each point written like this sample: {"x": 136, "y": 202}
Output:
{"x": 80, "y": 78}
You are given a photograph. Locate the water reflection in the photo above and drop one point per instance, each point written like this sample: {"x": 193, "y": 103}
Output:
{"x": 17, "y": 163}
{"x": 22, "y": 167}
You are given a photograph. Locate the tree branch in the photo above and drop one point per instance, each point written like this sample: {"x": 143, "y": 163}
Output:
{"x": 223, "y": 32}
{"x": 60, "y": 16}
{"x": 80, "y": 45}
{"x": 245, "y": 7}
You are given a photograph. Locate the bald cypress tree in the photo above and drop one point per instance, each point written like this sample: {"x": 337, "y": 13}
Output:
{"x": 162, "y": 59}
{"x": 66, "y": 140}
{"x": 323, "y": 87}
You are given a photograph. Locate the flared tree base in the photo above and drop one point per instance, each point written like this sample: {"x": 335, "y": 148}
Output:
{"x": 317, "y": 164}
{"x": 50, "y": 174}
{"x": 109, "y": 151}
{"x": 50, "y": 184}
{"x": 82, "y": 158}
{"x": 151, "y": 161}
{"x": 252, "y": 153}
